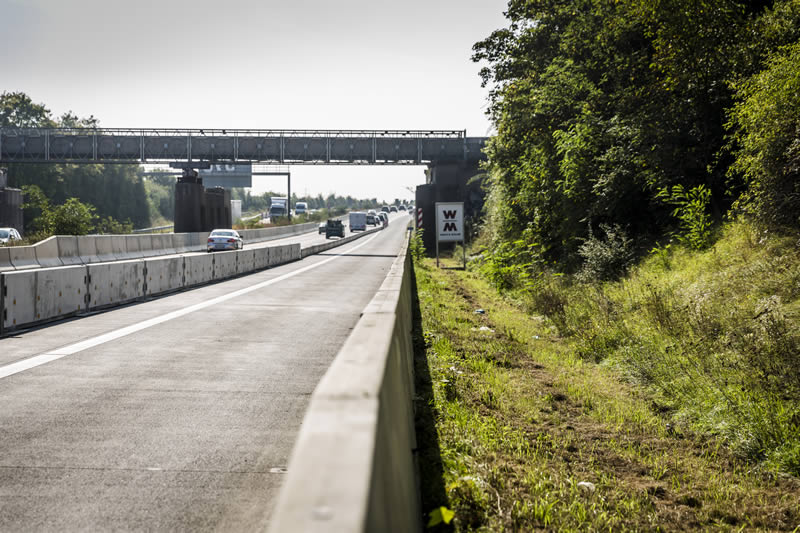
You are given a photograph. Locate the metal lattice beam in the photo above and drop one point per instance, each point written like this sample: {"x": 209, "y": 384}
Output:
{"x": 117, "y": 145}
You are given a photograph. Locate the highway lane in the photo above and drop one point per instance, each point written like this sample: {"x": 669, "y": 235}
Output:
{"x": 186, "y": 423}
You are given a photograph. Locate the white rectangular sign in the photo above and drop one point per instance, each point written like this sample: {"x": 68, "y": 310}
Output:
{"x": 450, "y": 221}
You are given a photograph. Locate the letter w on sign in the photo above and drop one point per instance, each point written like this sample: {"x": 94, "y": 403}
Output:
{"x": 449, "y": 214}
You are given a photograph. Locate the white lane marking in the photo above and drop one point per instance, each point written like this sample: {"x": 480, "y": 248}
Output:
{"x": 36, "y": 360}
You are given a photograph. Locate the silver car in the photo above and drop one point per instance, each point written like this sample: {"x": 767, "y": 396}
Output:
{"x": 9, "y": 234}
{"x": 224, "y": 239}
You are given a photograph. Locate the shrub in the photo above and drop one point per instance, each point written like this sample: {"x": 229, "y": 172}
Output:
{"x": 606, "y": 259}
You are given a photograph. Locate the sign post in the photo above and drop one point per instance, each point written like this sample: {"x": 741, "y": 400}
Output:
{"x": 450, "y": 226}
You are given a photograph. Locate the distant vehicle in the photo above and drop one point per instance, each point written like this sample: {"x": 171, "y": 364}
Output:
{"x": 278, "y": 207}
{"x": 372, "y": 212}
{"x": 384, "y": 218}
{"x": 392, "y": 209}
{"x": 358, "y": 221}
{"x": 300, "y": 208}
{"x": 401, "y": 207}
{"x": 372, "y": 220}
{"x": 9, "y": 234}
{"x": 385, "y": 209}
{"x": 322, "y": 228}
{"x": 334, "y": 228}
{"x": 224, "y": 239}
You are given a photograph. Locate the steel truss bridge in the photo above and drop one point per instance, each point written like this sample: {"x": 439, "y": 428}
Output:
{"x": 353, "y": 147}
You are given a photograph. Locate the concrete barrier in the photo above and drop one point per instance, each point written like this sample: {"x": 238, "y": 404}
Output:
{"x": 68, "y": 250}
{"x": 181, "y": 242}
{"x": 163, "y": 274}
{"x": 87, "y": 249}
{"x": 224, "y": 264}
{"x": 162, "y": 244}
{"x": 261, "y": 258}
{"x": 47, "y": 253}
{"x": 198, "y": 269}
{"x": 363, "y": 409}
{"x": 60, "y": 292}
{"x": 145, "y": 245}
{"x": 115, "y": 283}
{"x": 19, "y": 298}
{"x": 246, "y": 262}
{"x": 119, "y": 248}
{"x": 105, "y": 247}
{"x": 23, "y": 257}
{"x": 5, "y": 259}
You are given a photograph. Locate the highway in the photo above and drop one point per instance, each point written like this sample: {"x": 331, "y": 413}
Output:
{"x": 178, "y": 413}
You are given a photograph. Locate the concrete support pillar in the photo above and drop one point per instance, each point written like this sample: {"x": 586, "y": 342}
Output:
{"x": 10, "y": 205}
{"x": 189, "y": 198}
{"x": 448, "y": 182}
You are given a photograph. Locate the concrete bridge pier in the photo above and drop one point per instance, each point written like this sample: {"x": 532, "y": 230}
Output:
{"x": 448, "y": 182}
{"x": 198, "y": 208}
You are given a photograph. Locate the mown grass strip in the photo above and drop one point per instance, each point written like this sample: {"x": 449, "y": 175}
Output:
{"x": 518, "y": 432}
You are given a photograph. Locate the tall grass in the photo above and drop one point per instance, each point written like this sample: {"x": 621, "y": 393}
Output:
{"x": 713, "y": 334}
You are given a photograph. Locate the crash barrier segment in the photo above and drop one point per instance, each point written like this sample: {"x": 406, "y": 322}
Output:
{"x": 23, "y": 257}
{"x": 38, "y": 295}
{"x": 117, "y": 283}
{"x": 47, "y": 253}
{"x": 5, "y": 259}
{"x": 352, "y": 468}
{"x": 163, "y": 274}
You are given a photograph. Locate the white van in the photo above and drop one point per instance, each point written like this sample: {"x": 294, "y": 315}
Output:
{"x": 358, "y": 221}
{"x": 300, "y": 208}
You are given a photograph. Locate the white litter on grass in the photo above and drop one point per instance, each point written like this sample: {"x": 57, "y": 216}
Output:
{"x": 483, "y": 328}
{"x": 586, "y": 485}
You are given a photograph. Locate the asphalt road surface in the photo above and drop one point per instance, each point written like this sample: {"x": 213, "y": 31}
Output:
{"x": 178, "y": 413}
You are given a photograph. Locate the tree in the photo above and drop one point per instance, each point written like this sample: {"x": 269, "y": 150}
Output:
{"x": 73, "y": 217}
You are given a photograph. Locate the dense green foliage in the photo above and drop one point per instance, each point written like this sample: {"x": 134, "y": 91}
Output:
{"x": 618, "y": 114}
{"x": 115, "y": 191}
{"x": 644, "y": 198}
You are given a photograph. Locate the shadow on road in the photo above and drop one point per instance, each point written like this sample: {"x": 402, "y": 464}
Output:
{"x": 429, "y": 456}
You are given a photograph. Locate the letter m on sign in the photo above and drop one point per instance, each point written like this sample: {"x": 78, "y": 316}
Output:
{"x": 450, "y": 226}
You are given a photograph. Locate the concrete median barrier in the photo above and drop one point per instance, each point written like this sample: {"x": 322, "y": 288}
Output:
{"x": 246, "y": 262}
{"x": 115, "y": 283}
{"x": 261, "y": 258}
{"x": 23, "y": 257}
{"x": 19, "y": 298}
{"x": 47, "y": 253}
{"x": 87, "y": 249}
{"x": 119, "y": 248}
{"x": 224, "y": 264}
{"x": 5, "y": 259}
{"x": 68, "y": 250}
{"x": 181, "y": 242}
{"x": 198, "y": 269}
{"x": 60, "y": 292}
{"x": 363, "y": 409}
{"x": 105, "y": 248}
{"x": 163, "y": 274}
{"x": 162, "y": 244}
{"x": 145, "y": 245}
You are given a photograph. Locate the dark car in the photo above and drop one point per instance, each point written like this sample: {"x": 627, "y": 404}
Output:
{"x": 392, "y": 209}
{"x": 372, "y": 220}
{"x": 334, "y": 228}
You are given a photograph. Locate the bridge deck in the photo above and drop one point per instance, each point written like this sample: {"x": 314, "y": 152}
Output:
{"x": 393, "y": 147}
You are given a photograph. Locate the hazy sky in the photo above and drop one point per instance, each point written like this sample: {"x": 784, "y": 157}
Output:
{"x": 348, "y": 64}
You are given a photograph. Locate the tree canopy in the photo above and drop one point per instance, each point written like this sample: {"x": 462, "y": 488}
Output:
{"x": 610, "y": 114}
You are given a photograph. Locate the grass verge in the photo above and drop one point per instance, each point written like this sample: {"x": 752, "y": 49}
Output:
{"x": 519, "y": 431}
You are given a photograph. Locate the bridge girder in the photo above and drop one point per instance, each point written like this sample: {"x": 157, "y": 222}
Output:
{"x": 360, "y": 147}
